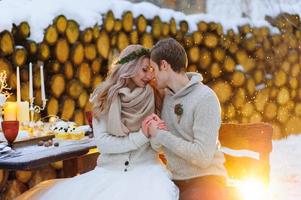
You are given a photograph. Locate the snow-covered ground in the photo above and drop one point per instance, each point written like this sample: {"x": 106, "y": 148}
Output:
{"x": 285, "y": 158}
{"x": 285, "y": 174}
{"x": 286, "y": 169}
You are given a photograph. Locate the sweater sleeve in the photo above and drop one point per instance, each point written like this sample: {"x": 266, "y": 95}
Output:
{"x": 156, "y": 145}
{"x": 206, "y": 124}
{"x": 107, "y": 143}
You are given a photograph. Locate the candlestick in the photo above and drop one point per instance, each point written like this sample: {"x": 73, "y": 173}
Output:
{"x": 30, "y": 82}
{"x": 42, "y": 83}
{"x": 35, "y": 108}
{"x": 18, "y": 85}
{"x": 2, "y": 102}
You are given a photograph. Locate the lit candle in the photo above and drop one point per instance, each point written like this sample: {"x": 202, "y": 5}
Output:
{"x": 42, "y": 83}
{"x": 10, "y": 111}
{"x": 18, "y": 85}
{"x": 30, "y": 82}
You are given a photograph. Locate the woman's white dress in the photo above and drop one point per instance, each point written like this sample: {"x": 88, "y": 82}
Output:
{"x": 146, "y": 182}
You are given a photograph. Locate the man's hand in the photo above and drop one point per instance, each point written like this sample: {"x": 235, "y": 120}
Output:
{"x": 146, "y": 122}
{"x": 162, "y": 126}
{"x": 151, "y": 124}
{"x": 154, "y": 126}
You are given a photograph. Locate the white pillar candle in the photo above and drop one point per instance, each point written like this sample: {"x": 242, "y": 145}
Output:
{"x": 10, "y": 111}
{"x": 23, "y": 111}
{"x": 18, "y": 86}
{"x": 42, "y": 83}
{"x": 30, "y": 82}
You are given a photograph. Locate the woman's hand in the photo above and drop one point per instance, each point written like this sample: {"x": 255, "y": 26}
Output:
{"x": 145, "y": 125}
{"x": 147, "y": 121}
{"x": 153, "y": 128}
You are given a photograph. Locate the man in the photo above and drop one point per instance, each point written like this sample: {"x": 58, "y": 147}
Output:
{"x": 191, "y": 112}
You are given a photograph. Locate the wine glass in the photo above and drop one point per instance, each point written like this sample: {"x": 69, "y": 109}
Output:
{"x": 89, "y": 118}
{"x": 10, "y": 130}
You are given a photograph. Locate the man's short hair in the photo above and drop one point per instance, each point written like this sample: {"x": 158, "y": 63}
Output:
{"x": 171, "y": 51}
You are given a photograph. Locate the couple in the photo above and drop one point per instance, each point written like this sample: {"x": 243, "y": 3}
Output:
{"x": 130, "y": 133}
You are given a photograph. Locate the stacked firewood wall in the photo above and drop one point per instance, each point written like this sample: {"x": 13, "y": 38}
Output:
{"x": 254, "y": 72}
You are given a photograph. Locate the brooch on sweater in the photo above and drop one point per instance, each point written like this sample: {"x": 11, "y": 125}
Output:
{"x": 178, "y": 111}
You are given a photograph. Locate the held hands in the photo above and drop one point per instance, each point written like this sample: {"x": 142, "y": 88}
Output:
{"x": 152, "y": 124}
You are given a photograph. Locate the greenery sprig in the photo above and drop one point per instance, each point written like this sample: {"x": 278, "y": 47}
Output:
{"x": 134, "y": 55}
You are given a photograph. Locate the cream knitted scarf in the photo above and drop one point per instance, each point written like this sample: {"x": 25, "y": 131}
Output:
{"x": 129, "y": 109}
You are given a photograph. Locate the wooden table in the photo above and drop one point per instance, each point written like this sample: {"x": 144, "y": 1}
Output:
{"x": 33, "y": 156}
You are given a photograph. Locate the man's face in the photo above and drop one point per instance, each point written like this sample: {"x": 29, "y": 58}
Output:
{"x": 161, "y": 76}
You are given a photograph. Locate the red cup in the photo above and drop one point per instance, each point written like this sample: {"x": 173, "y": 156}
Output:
{"x": 10, "y": 130}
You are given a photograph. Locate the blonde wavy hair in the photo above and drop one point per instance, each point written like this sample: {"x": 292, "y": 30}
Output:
{"x": 118, "y": 78}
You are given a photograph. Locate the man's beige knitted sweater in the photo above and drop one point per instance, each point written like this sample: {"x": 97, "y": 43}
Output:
{"x": 191, "y": 145}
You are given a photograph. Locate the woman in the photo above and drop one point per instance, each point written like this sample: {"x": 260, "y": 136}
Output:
{"x": 128, "y": 168}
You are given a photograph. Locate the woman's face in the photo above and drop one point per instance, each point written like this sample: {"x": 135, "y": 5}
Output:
{"x": 144, "y": 74}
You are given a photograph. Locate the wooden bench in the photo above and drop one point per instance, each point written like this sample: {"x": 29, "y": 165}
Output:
{"x": 256, "y": 137}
